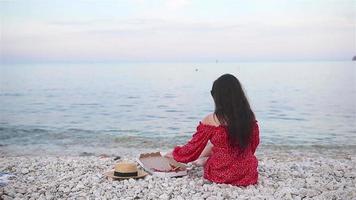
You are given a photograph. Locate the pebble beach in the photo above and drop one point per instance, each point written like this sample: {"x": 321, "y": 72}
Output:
{"x": 87, "y": 86}
{"x": 284, "y": 173}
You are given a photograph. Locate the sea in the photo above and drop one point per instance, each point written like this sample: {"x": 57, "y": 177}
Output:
{"x": 81, "y": 107}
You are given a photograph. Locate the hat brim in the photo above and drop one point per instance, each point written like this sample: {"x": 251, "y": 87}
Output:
{"x": 140, "y": 174}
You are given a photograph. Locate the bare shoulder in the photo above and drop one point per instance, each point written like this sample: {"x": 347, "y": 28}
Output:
{"x": 211, "y": 119}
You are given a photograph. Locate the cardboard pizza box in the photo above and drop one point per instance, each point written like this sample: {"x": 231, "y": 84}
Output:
{"x": 158, "y": 165}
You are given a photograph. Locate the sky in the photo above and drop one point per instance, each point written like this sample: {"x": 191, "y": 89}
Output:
{"x": 176, "y": 30}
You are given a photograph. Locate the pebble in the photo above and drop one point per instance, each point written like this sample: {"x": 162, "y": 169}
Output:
{"x": 25, "y": 171}
{"x": 164, "y": 197}
{"x": 117, "y": 158}
{"x": 303, "y": 174}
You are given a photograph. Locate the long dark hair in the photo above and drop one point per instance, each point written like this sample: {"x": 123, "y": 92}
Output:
{"x": 233, "y": 110}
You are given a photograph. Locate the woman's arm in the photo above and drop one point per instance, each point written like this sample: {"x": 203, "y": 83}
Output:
{"x": 192, "y": 150}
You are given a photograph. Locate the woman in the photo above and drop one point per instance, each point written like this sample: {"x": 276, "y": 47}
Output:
{"x": 233, "y": 134}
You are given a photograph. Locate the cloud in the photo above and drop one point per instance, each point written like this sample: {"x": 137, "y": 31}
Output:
{"x": 150, "y": 34}
{"x": 145, "y": 39}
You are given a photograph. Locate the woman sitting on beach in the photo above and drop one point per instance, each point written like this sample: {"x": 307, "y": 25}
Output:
{"x": 226, "y": 140}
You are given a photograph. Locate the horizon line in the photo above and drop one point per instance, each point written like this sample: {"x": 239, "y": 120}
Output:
{"x": 169, "y": 61}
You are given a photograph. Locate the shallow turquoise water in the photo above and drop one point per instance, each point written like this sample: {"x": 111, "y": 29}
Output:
{"x": 63, "y": 106}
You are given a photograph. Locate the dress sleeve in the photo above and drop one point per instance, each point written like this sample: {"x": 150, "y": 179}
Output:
{"x": 192, "y": 150}
{"x": 255, "y": 137}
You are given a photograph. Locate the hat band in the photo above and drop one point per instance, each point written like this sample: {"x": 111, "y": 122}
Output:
{"x": 125, "y": 174}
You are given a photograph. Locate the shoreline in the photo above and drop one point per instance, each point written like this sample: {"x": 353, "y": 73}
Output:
{"x": 121, "y": 149}
{"x": 284, "y": 173}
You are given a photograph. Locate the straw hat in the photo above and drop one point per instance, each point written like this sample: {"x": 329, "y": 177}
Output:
{"x": 125, "y": 170}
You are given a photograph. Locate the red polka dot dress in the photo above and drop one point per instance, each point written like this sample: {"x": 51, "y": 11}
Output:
{"x": 225, "y": 165}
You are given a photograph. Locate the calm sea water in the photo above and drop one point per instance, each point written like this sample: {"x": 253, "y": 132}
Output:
{"x": 64, "y": 106}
